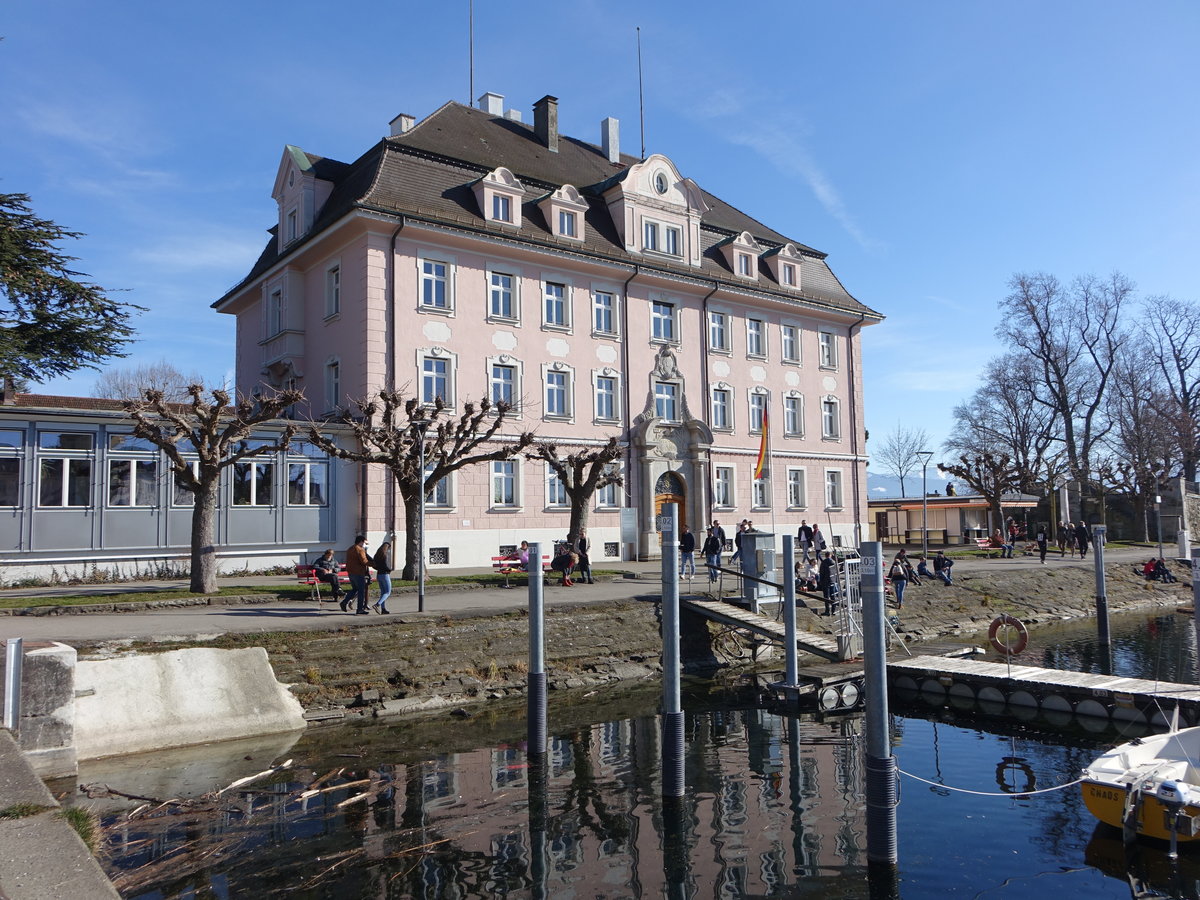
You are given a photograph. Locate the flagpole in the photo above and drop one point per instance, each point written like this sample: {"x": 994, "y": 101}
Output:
{"x": 771, "y": 490}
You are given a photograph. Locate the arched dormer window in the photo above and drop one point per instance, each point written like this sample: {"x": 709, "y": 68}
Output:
{"x": 741, "y": 253}
{"x": 784, "y": 265}
{"x": 499, "y": 195}
{"x": 564, "y": 210}
{"x": 656, "y": 211}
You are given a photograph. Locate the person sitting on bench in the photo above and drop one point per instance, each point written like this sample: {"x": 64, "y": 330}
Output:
{"x": 327, "y": 569}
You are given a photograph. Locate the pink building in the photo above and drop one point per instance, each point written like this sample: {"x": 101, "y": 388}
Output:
{"x": 470, "y": 254}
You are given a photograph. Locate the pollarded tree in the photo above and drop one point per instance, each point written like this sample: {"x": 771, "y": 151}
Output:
{"x": 219, "y": 436}
{"x": 582, "y": 473}
{"x": 898, "y": 452}
{"x": 389, "y": 430}
{"x": 991, "y": 475}
{"x": 51, "y": 322}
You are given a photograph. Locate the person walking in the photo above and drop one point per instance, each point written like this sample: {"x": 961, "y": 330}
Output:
{"x": 1062, "y": 539}
{"x": 1082, "y": 538}
{"x": 1043, "y": 541}
{"x": 737, "y": 541}
{"x": 358, "y": 567}
{"x": 818, "y": 539}
{"x": 687, "y": 551}
{"x": 827, "y": 582}
{"x": 328, "y": 570}
{"x": 712, "y": 553}
{"x": 582, "y": 546}
{"x": 804, "y": 537}
{"x": 1071, "y": 542}
{"x": 899, "y": 576}
{"x": 719, "y": 533}
{"x": 381, "y": 562}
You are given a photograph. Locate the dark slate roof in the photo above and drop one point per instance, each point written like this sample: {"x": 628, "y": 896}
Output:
{"x": 427, "y": 174}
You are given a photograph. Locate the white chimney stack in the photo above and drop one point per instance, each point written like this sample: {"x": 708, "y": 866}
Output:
{"x": 402, "y": 123}
{"x": 513, "y": 115}
{"x": 492, "y": 104}
{"x": 610, "y": 139}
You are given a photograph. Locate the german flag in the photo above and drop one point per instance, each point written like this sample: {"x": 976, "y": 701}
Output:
{"x": 760, "y": 466}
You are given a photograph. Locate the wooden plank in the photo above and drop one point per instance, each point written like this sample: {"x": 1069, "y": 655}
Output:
{"x": 760, "y": 625}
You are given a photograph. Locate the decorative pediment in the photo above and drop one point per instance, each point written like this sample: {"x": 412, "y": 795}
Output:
{"x": 784, "y": 263}
{"x": 499, "y": 194}
{"x": 650, "y": 199}
{"x": 298, "y": 194}
{"x": 564, "y": 210}
{"x": 741, "y": 253}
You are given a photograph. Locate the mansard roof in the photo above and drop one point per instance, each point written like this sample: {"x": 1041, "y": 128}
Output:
{"x": 427, "y": 174}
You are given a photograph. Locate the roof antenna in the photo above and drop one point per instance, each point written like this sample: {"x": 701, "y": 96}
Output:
{"x": 641, "y": 100}
{"x": 471, "y": 44}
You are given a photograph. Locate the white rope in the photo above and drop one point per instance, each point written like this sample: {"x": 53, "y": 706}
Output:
{"x": 990, "y": 793}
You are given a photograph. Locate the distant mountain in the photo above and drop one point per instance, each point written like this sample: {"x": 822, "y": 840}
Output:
{"x": 881, "y": 486}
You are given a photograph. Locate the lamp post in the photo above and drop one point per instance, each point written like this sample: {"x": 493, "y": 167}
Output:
{"x": 1158, "y": 518}
{"x": 422, "y": 425}
{"x": 924, "y": 456}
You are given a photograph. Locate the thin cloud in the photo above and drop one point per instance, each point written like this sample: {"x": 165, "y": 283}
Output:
{"x": 196, "y": 252}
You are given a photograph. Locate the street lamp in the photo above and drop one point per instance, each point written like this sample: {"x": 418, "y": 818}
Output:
{"x": 1158, "y": 516}
{"x": 924, "y": 456}
{"x": 423, "y": 426}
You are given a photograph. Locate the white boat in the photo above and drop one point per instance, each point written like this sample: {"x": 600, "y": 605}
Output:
{"x": 1150, "y": 786}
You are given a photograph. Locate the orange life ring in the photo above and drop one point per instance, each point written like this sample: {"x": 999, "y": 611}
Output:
{"x": 1017, "y": 646}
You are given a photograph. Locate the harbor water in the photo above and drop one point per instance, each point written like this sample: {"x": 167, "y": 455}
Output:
{"x": 453, "y": 807}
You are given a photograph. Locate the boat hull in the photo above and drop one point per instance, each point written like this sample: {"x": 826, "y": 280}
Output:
{"x": 1107, "y": 803}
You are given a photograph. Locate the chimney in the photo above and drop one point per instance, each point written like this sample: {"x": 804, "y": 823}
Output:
{"x": 610, "y": 139}
{"x": 513, "y": 115}
{"x": 401, "y": 124}
{"x": 492, "y": 104}
{"x": 545, "y": 122}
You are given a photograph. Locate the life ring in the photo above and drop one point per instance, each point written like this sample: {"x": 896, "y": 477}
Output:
{"x": 1019, "y": 765}
{"x": 1018, "y": 645}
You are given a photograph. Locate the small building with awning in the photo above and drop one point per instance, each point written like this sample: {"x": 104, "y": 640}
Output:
{"x": 953, "y": 519}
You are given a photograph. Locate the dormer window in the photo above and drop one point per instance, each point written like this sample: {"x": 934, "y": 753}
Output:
{"x": 741, "y": 254}
{"x": 650, "y": 236}
{"x": 499, "y": 195}
{"x": 564, "y": 210}
{"x": 292, "y": 226}
{"x": 659, "y": 237}
{"x": 784, "y": 263}
{"x": 787, "y": 274}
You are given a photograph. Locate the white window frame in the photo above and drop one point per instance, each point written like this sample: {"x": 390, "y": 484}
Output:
{"x": 567, "y": 375}
{"x": 309, "y": 466}
{"x": 834, "y": 489}
{"x": 505, "y": 470}
{"x": 797, "y": 488}
{"x": 613, "y": 376}
{"x": 431, "y": 278}
{"x": 514, "y": 366}
{"x": 275, "y": 313}
{"x": 728, "y": 407}
{"x": 14, "y": 451}
{"x": 672, "y": 240}
{"x": 441, "y": 495}
{"x": 333, "y": 384}
{"x": 759, "y": 399}
{"x": 514, "y": 295}
{"x": 74, "y": 463}
{"x": 760, "y": 496}
{"x": 556, "y": 490}
{"x": 667, "y": 394}
{"x": 745, "y": 265}
{"x": 255, "y": 464}
{"x": 664, "y": 322}
{"x": 502, "y": 205}
{"x": 831, "y": 418}
{"x": 612, "y": 312}
{"x": 650, "y": 235}
{"x": 724, "y": 488}
{"x": 827, "y": 355}
{"x": 568, "y": 223}
{"x": 756, "y": 338}
{"x": 451, "y": 360}
{"x": 333, "y": 289}
{"x": 565, "y": 325}
{"x": 607, "y": 496}
{"x": 293, "y": 225}
{"x": 718, "y": 321}
{"x": 793, "y": 414}
{"x": 787, "y": 274}
{"x": 789, "y": 355}
{"x": 179, "y": 496}
{"x": 135, "y": 498}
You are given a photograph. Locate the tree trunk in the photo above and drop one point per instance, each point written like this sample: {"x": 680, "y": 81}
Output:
{"x": 412, "y": 532}
{"x": 204, "y": 551}
{"x": 579, "y": 519}
{"x": 903, "y": 492}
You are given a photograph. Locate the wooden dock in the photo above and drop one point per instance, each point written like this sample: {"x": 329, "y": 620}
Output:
{"x": 822, "y": 645}
{"x": 1049, "y": 690}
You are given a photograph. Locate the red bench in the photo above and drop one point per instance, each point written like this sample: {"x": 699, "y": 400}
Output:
{"x": 984, "y": 543}
{"x": 308, "y": 575}
{"x": 508, "y": 565}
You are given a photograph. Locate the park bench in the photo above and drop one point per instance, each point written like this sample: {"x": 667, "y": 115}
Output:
{"x": 508, "y": 566}
{"x": 984, "y": 543}
{"x": 308, "y": 575}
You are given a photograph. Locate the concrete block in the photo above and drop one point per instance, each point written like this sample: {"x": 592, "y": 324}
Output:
{"x": 193, "y": 696}
{"x": 47, "y": 728}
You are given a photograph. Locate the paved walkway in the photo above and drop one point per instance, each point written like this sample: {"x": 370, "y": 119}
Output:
{"x": 209, "y": 621}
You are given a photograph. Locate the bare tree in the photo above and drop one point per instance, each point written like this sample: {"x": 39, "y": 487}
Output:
{"x": 1070, "y": 338}
{"x": 1175, "y": 350}
{"x": 218, "y": 435}
{"x": 389, "y": 431}
{"x": 991, "y": 475}
{"x": 132, "y": 382}
{"x": 898, "y": 453}
{"x": 582, "y": 473}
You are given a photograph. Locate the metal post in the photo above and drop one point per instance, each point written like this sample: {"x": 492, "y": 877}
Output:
{"x": 423, "y": 424}
{"x": 924, "y": 456}
{"x": 1196, "y": 603}
{"x": 880, "y": 764}
{"x": 1158, "y": 518}
{"x": 1098, "y": 532}
{"x": 536, "y": 694}
{"x": 672, "y": 726}
{"x": 789, "y": 607}
{"x": 13, "y": 661}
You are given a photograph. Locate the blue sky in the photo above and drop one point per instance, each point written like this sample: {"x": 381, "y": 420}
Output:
{"x": 931, "y": 149}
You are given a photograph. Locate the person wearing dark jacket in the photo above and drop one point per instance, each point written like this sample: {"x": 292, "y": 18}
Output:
{"x": 687, "y": 551}
{"x": 381, "y": 562}
{"x": 942, "y": 564}
{"x": 582, "y": 546}
{"x": 358, "y": 567}
{"x": 1043, "y": 540}
{"x": 713, "y": 546}
{"x": 327, "y": 569}
{"x": 827, "y": 582}
{"x": 1082, "y": 538}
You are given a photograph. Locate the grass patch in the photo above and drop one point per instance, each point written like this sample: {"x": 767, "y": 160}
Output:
{"x": 85, "y": 823}
{"x": 22, "y": 810}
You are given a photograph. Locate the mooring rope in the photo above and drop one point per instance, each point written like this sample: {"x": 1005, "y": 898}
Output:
{"x": 990, "y": 793}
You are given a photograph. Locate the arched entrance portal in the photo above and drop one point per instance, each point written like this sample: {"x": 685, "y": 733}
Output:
{"x": 669, "y": 489}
